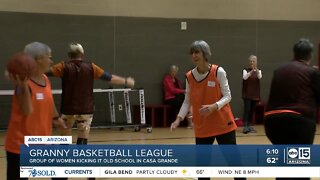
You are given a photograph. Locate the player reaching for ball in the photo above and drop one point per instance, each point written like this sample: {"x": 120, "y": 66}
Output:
{"x": 78, "y": 74}
{"x": 33, "y": 111}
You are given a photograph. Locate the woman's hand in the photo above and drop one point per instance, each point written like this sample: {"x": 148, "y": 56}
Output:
{"x": 22, "y": 82}
{"x": 206, "y": 110}
{"x": 60, "y": 124}
{"x": 129, "y": 82}
{"x": 175, "y": 124}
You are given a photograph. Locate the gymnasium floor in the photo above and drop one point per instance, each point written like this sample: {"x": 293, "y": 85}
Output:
{"x": 158, "y": 136}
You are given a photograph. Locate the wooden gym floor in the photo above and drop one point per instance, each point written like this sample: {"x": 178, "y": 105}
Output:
{"x": 158, "y": 136}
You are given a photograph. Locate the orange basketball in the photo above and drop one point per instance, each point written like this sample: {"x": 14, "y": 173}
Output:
{"x": 21, "y": 64}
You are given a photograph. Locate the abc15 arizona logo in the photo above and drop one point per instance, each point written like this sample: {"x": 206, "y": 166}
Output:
{"x": 298, "y": 155}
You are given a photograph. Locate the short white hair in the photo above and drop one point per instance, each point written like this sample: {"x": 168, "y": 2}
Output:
{"x": 36, "y": 49}
{"x": 76, "y": 48}
{"x": 253, "y": 56}
{"x": 174, "y": 67}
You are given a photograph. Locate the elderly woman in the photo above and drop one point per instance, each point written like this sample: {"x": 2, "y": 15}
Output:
{"x": 174, "y": 93}
{"x": 33, "y": 110}
{"x": 250, "y": 92}
{"x": 207, "y": 91}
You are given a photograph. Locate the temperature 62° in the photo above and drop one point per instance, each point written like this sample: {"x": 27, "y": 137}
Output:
{"x": 272, "y": 160}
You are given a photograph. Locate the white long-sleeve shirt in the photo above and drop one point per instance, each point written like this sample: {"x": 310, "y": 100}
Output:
{"x": 246, "y": 75}
{"x": 225, "y": 90}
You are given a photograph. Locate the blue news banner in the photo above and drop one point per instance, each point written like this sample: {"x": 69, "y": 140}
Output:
{"x": 168, "y": 155}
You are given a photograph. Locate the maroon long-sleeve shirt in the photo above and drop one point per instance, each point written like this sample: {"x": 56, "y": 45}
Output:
{"x": 170, "y": 88}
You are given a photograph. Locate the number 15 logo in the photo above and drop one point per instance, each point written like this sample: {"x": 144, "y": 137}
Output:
{"x": 304, "y": 153}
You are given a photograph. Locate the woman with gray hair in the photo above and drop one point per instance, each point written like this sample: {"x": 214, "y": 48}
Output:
{"x": 208, "y": 93}
{"x": 76, "y": 73}
{"x": 78, "y": 106}
{"x": 174, "y": 93}
{"x": 33, "y": 110}
{"x": 250, "y": 92}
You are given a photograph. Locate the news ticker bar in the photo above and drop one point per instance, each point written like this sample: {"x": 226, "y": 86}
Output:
{"x": 169, "y": 155}
{"x": 184, "y": 172}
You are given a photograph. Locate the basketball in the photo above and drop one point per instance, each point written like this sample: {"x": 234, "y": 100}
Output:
{"x": 21, "y": 64}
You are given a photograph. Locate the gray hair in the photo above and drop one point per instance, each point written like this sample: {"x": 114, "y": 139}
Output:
{"x": 37, "y": 49}
{"x": 173, "y": 67}
{"x": 253, "y": 56}
{"x": 202, "y": 46}
{"x": 75, "y": 49}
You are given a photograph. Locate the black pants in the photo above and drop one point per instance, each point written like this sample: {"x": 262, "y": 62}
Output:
{"x": 249, "y": 109}
{"x": 13, "y": 166}
{"x": 228, "y": 138}
{"x": 175, "y": 103}
{"x": 289, "y": 128}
